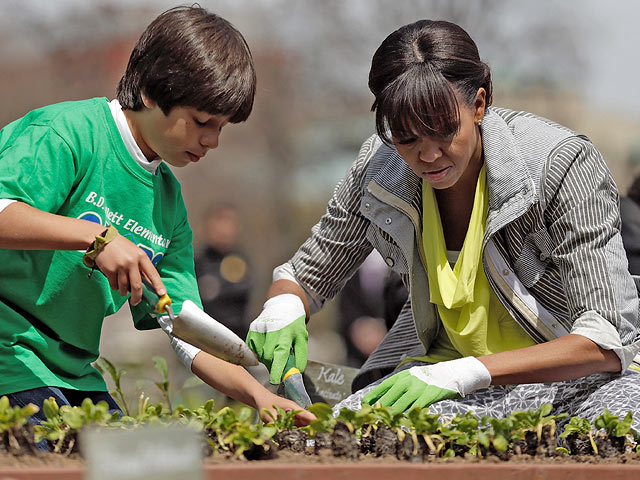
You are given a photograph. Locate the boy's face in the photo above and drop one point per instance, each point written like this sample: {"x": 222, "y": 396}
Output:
{"x": 182, "y": 137}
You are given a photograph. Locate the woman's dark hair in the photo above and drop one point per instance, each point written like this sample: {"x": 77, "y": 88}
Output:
{"x": 415, "y": 74}
{"x": 189, "y": 57}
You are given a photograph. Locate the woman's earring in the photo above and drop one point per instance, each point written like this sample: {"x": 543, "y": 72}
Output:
{"x": 479, "y": 123}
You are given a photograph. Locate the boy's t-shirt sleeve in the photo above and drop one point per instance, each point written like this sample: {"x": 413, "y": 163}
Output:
{"x": 177, "y": 272}
{"x": 38, "y": 168}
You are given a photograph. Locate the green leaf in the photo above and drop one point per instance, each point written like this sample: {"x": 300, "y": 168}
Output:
{"x": 321, "y": 410}
{"x": 104, "y": 365}
{"x": 449, "y": 453}
{"x": 500, "y": 443}
{"x": 75, "y": 417}
{"x": 161, "y": 365}
{"x": 545, "y": 409}
{"x": 483, "y": 439}
{"x": 50, "y": 407}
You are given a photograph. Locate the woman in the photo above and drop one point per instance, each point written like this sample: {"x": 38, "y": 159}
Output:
{"x": 504, "y": 225}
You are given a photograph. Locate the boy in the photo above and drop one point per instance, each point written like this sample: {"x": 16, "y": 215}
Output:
{"x": 83, "y": 187}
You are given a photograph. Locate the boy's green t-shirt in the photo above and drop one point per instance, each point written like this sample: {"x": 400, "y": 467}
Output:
{"x": 69, "y": 159}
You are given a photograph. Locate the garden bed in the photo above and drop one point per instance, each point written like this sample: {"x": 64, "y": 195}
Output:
{"x": 374, "y": 441}
{"x": 297, "y": 466}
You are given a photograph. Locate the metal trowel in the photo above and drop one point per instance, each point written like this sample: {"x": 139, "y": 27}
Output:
{"x": 293, "y": 384}
{"x": 196, "y": 327}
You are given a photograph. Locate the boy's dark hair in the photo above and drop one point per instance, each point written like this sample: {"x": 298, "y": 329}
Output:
{"x": 414, "y": 76}
{"x": 189, "y": 57}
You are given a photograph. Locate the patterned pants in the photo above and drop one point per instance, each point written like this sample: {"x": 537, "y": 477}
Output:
{"x": 585, "y": 397}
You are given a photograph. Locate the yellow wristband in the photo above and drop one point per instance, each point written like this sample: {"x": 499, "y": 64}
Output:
{"x": 101, "y": 241}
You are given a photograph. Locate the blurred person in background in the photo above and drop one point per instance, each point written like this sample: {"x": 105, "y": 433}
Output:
{"x": 89, "y": 206}
{"x": 630, "y": 214}
{"x": 504, "y": 226}
{"x": 223, "y": 271}
{"x": 368, "y": 306}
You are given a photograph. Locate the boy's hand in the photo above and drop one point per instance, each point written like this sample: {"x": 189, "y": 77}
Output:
{"x": 280, "y": 326}
{"x": 124, "y": 263}
{"x": 267, "y": 400}
{"x": 423, "y": 386}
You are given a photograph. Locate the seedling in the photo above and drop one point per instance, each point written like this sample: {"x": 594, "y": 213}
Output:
{"x": 11, "y": 417}
{"x": 580, "y": 426}
{"x": 324, "y": 421}
{"x": 284, "y": 420}
{"x": 613, "y": 426}
{"x": 498, "y": 433}
{"x": 536, "y": 420}
{"x": 461, "y": 434}
{"x": 103, "y": 365}
{"x": 13, "y": 420}
{"x": 428, "y": 426}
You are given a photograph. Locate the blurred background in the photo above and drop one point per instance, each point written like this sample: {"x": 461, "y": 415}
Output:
{"x": 574, "y": 61}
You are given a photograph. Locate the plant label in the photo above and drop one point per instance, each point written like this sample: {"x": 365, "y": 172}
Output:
{"x": 146, "y": 453}
{"x": 328, "y": 383}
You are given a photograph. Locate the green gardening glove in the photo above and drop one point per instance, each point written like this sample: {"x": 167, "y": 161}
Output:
{"x": 279, "y": 327}
{"x": 422, "y": 386}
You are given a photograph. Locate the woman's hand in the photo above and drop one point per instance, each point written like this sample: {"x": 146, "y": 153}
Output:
{"x": 124, "y": 263}
{"x": 424, "y": 385}
{"x": 279, "y": 327}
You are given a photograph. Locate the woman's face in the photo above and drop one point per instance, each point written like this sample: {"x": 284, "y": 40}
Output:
{"x": 442, "y": 162}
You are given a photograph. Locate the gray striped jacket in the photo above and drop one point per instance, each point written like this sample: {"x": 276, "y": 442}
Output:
{"x": 552, "y": 249}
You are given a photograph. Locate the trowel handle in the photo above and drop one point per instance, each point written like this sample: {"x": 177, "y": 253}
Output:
{"x": 290, "y": 367}
{"x": 153, "y": 299}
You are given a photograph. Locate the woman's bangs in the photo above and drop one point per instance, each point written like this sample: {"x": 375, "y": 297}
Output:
{"x": 420, "y": 105}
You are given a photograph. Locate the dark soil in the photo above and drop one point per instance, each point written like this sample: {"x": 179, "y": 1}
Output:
{"x": 292, "y": 439}
{"x": 326, "y": 457}
{"x": 385, "y": 442}
{"x": 531, "y": 445}
{"x": 610, "y": 446}
{"x": 322, "y": 443}
{"x": 344, "y": 443}
{"x": 19, "y": 441}
{"x": 408, "y": 450}
{"x": 381, "y": 445}
{"x": 579, "y": 444}
{"x": 267, "y": 451}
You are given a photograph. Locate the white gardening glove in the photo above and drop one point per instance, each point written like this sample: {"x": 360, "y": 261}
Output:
{"x": 422, "y": 386}
{"x": 280, "y": 326}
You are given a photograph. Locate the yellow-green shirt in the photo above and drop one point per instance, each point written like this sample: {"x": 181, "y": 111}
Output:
{"x": 474, "y": 321}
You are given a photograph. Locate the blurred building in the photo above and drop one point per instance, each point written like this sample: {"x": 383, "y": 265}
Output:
{"x": 312, "y": 108}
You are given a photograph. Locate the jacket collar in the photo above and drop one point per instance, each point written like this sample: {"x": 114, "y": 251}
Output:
{"x": 511, "y": 188}
{"x": 506, "y": 169}
{"x": 390, "y": 172}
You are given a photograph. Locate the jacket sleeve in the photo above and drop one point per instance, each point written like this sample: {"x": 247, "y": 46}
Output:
{"x": 583, "y": 219}
{"x": 338, "y": 244}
